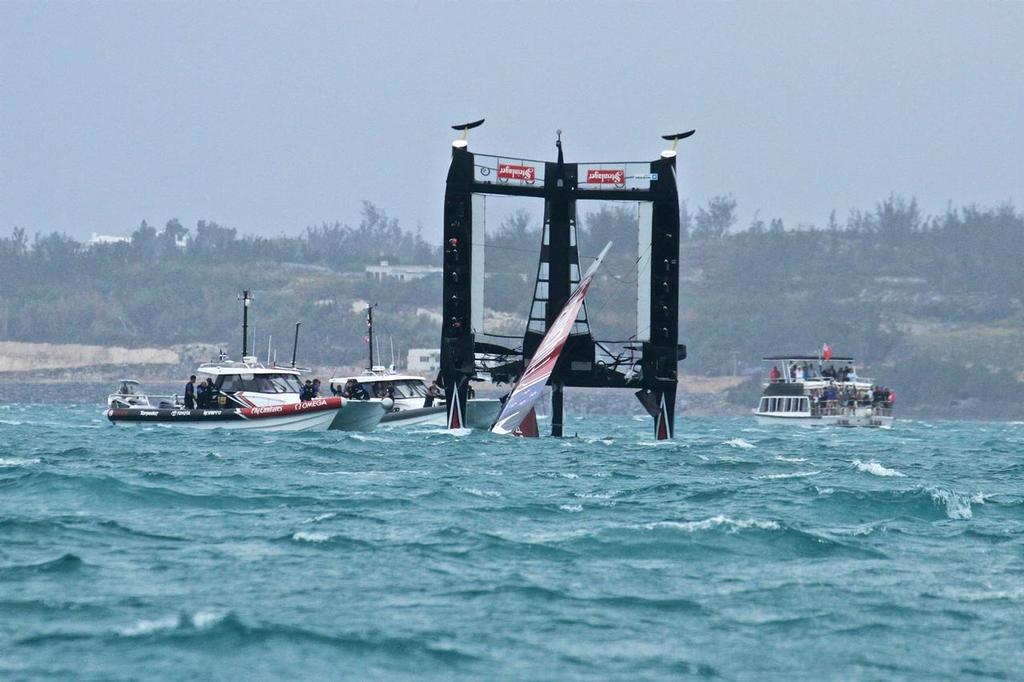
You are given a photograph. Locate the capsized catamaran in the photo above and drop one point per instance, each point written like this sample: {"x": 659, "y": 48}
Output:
{"x": 531, "y": 384}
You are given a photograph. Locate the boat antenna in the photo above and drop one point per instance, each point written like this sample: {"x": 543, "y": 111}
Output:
{"x": 295, "y": 344}
{"x": 270, "y": 338}
{"x": 392, "y": 340}
{"x": 246, "y": 300}
{"x": 369, "y": 331}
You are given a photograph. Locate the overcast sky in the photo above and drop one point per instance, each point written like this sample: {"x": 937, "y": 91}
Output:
{"x": 271, "y": 117}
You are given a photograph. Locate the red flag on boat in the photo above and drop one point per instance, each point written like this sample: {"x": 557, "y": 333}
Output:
{"x": 826, "y": 352}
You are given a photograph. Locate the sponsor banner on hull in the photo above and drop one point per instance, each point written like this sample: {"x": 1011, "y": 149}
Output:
{"x": 269, "y": 412}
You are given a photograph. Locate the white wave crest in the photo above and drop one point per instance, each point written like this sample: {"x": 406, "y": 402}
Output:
{"x": 780, "y": 458}
{"x": 571, "y": 507}
{"x": 795, "y": 474}
{"x": 958, "y": 505}
{"x": 201, "y": 620}
{"x": 18, "y": 462}
{"x": 146, "y": 627}
{"x": 875, "y": 469}
{"x": 481, "y": 493}
{"x": 304, "y": 536}
{"x": 732, "y": 525}
{"x": 321, "y": 517}
{"x": 596, "y": 496}
{"x": 365, "y": 438}
{"x": 739, "y": 443}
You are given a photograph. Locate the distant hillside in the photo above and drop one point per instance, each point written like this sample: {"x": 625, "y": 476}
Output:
{"x": 929, "y": 305}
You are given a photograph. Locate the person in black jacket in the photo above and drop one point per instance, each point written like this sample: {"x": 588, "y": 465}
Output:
{"x": 190, "y": 393}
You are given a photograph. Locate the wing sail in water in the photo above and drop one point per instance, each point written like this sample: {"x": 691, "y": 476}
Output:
{"x": 535, "y": 378}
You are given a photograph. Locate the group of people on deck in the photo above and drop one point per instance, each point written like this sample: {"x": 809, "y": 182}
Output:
{"x": 353, "y": 390}
{"x": 202, "y": 396}
{"x": 835, "y": 396}
{"x": 804, "y": 371}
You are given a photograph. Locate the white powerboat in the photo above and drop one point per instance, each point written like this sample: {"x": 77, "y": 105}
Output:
{"x": 410, "y": 402}
{"x": 806, "y": 392}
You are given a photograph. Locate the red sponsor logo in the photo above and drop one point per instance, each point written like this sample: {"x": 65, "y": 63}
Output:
{"x": 509, "y": 171}
{"x": 606, "y": 177}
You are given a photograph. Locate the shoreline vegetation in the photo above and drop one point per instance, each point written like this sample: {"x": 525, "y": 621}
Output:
{"x": 929, "y": 305}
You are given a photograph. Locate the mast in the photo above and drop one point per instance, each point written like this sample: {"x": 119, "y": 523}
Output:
{"x": 246, "y": 300}
{"x": 369, "y": 331}
{"x": 295, "y": 344}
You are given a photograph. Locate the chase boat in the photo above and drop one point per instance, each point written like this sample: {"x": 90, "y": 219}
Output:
{"x": 246, "y": 395}
{"x": 410, "y": 402}
{"x": 805, "y": 392}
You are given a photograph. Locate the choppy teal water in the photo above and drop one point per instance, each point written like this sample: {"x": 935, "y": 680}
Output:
{"x": 736, "y": 552}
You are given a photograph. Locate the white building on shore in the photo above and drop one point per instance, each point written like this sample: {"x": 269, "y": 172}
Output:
{"x": 405, "y": 273}
{"x": 424, "y": 361}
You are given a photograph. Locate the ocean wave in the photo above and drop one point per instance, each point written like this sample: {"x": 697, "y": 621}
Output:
{"x": 731, "y": 525}
{"x": 875, "y": 469}
{"x": 476, "y": 492}
{"x": 957, "y": 505}
{"x": 66, "y": 563}
{"x": 108, "y": 488}
{"x": 781, "y": 458}
{"x": 571, "y": 507}
{"x": 740, "y": 443}
{"x": 311, "y": 536}
{"x": 923, "y": 502}
{"x": 6, "y": 462}
{"x": 795, "y": 474}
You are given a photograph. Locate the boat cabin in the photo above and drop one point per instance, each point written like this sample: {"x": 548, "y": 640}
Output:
{"x": 252, "y": 384}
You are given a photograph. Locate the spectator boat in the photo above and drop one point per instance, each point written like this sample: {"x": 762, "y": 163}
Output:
{"x": 808, "y": 390}
{"x": 246, "y": 395}
{"x": 410, "y": 402}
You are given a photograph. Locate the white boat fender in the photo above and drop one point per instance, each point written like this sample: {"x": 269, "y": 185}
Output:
{"x": 387, "y": 403}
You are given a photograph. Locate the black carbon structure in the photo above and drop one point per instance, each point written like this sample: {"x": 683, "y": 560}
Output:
{"x": 648, "y": 363}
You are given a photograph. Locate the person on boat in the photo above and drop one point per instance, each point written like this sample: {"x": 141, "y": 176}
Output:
{"x": 852, "y": 375}
{"x": 773, "y": 375}
{"x": 799, "y": 374}
{"x": 201, "y": 399}
{"x": 211, "y": 393}
{"x": 359, "y": 391}
{"x": 336, "y": 391}
{"x": 316, "y": 389}
{"x": 307, "y": 391}
{"x": 190, "y": 393}
{"x": 433, "y": 393}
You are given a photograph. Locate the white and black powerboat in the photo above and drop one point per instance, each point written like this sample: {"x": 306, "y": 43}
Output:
{"x": 408, "y": 399}
{"x": 411, "y": 402}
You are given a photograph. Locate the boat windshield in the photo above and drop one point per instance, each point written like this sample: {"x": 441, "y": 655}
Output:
{"x": 260, "y": 383}
{"x": 404, "y": 388}
{"x": 410, "y": 388}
